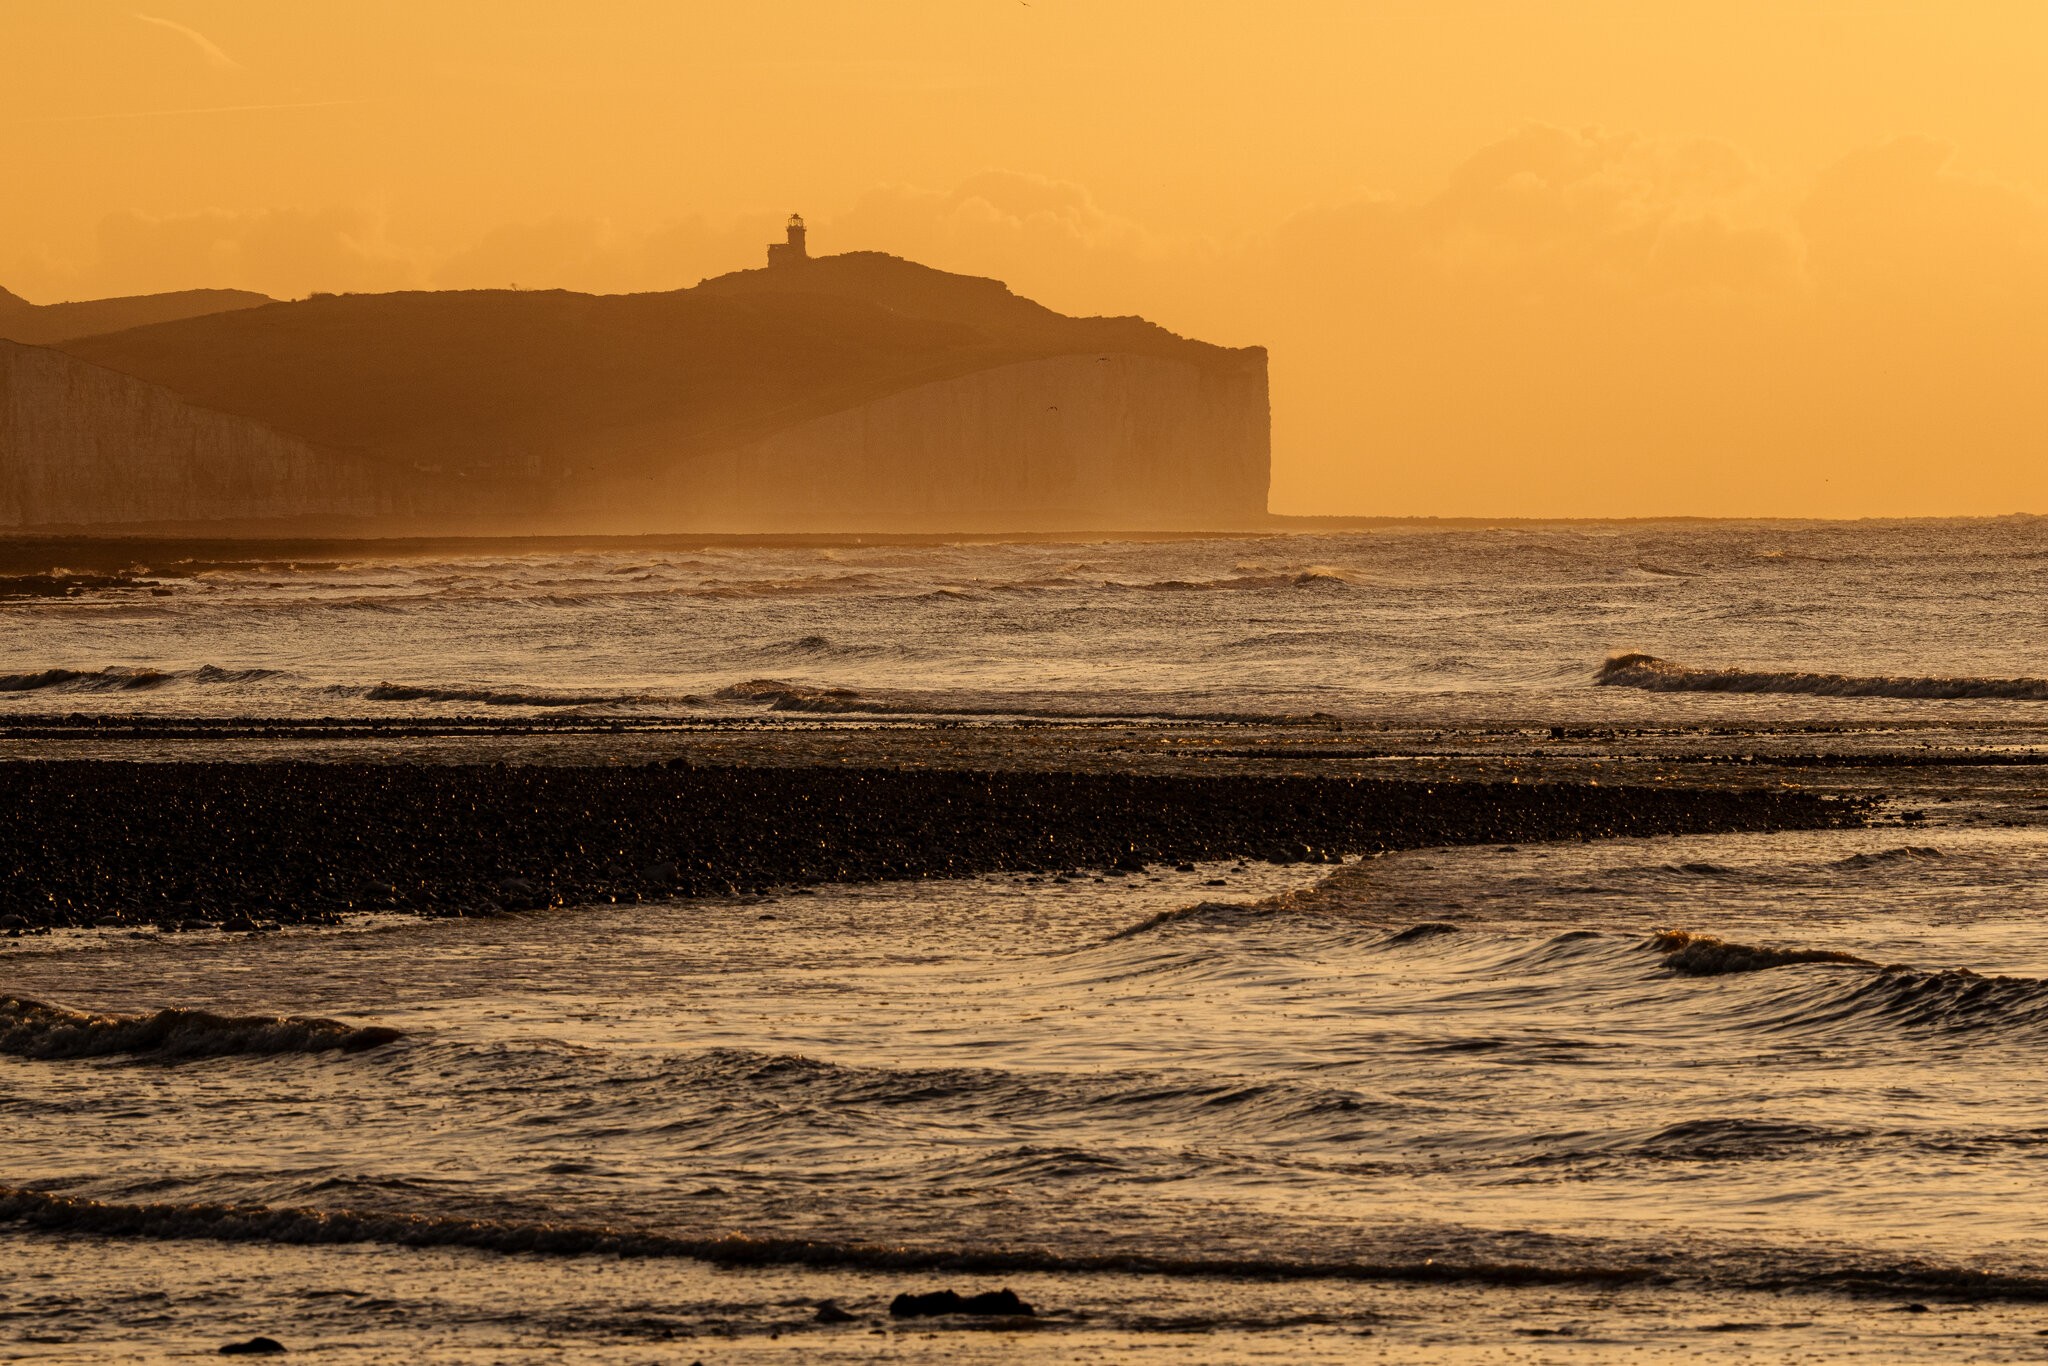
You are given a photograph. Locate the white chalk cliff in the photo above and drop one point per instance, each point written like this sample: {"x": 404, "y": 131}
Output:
{"x": 81, "y": 445}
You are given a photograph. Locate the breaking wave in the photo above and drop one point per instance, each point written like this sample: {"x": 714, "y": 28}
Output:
{"x": 1206, "y": 914}
{"x": 208, "y": 673}
{"x": 1660, "y": 675}
{"x": 1945, "y": 1001}
{"x": 1703, "y": 955}
{"x": 32, "y": 1029}
{"x": 302, "y": 1226}
{"x": 493, "y": 697}
{"x": 1952, "y": 1000}
{"x": 1428, "y": 930}
{"x": 1707, "y": 1139}
{"x": 85, "y": 680}
{"x": 122, "y": 679}
{"x": 1316, "y": 577}
{"x": 736, "y": 1086}
{"x": 779, "y": 696}
{"x": 65, "y": 583}
{"x": 288, "y": 1226}
{"x": 825, "y": 647}
{"x": 1906, "y": 853}
{"x": 797, "y": 586}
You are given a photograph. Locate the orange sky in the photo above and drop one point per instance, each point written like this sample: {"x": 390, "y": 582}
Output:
{"x": 1511, "y": 257}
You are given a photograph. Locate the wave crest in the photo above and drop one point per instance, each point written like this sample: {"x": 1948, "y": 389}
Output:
{"x": 1206, "y": 914}
{"x": 302, "y": 1226}
{"x": 780, "y": 696}
{"x": 85, "y": 680}
{"x": 1316, "y": 576}
{"x": 271, "y": 1224}
{"x": 1704, "y": 955}
{"x": 492, "y": 697}
{"x": 1661, "y": 675}
{"x": 32, "y": 1029}
{"x": 1423, "y": 933}
{"x": 1948, "y": 1001}
{"x": 1905, "y": 853}
{"x": 118, "y": 678}
{"x": 1951, "y": 1001}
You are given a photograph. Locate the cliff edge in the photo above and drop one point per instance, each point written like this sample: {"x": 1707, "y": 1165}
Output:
{"x": 853, "y": 392}
{"x": 43, "y": 324}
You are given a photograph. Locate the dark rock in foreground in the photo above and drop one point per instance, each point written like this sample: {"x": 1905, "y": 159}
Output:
{"x": 254, "y": 1347}
{"x": 193, "y": 845}
{"x": 988, "y": 1304}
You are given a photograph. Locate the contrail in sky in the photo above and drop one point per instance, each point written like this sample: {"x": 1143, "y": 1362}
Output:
{"x": 207, "y": 47}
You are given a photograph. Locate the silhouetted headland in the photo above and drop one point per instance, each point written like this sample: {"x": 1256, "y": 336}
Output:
{"x": 54, "y": 324}
{"x": 839, "y": 393}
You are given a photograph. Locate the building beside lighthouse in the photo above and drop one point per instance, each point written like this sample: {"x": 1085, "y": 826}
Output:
{"x": 792, "y": 251}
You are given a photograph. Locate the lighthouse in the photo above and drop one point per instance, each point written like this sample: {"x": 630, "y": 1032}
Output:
{"x": 791, "y": 252}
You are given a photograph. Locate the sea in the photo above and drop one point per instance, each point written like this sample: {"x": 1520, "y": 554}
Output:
{"x": 1748, "y": 1097}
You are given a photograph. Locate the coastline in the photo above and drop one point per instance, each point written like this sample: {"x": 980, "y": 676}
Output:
{"x": 177, "y": 550}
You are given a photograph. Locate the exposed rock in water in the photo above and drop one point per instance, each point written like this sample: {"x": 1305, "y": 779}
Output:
{"x": 988, "y": 1304}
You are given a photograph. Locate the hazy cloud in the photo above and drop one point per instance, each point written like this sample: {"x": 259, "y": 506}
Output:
{"x": 1588, "y": 319}
{"x": 1895, "y": 227}
{"x": 1557, "y": 219}
{"x": 602, "y": 257}
{"x": 284, "y": 252}
{"x": 1045, "y": 237}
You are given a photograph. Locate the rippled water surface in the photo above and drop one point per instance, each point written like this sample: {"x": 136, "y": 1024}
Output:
{"x": 1454, "y": 623}
{"x": 1749, "y": 1097}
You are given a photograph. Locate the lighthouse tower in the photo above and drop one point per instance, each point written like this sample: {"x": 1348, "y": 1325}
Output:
{"x": 791, "y": 252}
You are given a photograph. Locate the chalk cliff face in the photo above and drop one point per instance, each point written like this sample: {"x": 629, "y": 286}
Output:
{"x": 1064, "y": 442}
{"x": 84, "y": 446}
{"x": 856, "y": 392}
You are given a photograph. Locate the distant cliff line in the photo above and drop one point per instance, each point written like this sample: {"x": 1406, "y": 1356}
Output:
{"x": 55, "y": 324}
{"x": 852, "y": 393}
